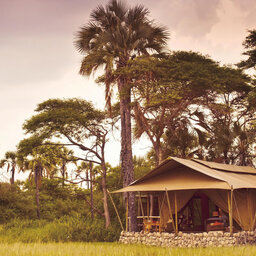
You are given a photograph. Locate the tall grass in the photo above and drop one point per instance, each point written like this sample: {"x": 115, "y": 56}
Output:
{"x": 66, "y": 229}
{"x": 114, "y": 249}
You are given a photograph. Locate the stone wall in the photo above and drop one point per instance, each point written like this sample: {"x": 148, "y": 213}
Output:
{"x": 212, "y": 238}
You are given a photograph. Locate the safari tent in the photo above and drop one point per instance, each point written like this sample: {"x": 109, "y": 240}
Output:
{"x": 179, "y": 186}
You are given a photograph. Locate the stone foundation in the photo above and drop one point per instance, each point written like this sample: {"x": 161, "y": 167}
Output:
{"x": 189, "y": 240}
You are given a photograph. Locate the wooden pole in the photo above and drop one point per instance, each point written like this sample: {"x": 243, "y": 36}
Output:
{"x": 176, "y": 213}
{"x": 249, "y": 209}
{"x": 230, "y": 210}
{"x": 162, "y": 204}
{"x": 231, "y": 206}
{"x": 116, "y": 210}
{"x": 126, "y": 215}
{"x": 159, "y": 209}
{"x": 253, "y": 223}
{"x": 139, "y": 213}
{"x": 142, "y": 211}
{"x": 170, "y": 210}
{"x": 148, "y": 206}
{"x": 141, "y": 206}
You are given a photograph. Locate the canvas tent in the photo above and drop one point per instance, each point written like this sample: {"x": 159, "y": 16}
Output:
{"x": 232, "y": 188}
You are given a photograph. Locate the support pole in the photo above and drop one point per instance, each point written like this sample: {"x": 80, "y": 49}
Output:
{"x": 170, "y": 210}
{"x": 141, "y": 206}
{"x": 253, "y": 223}
{"x": 148, "y": 206}
{"x": 230, "y": 210}
{"x": 176, "y": 213}
{"x": 121, "y": 224}
{"x": 142, "y": 211}
{"x": 249, "y": 210}
{"x": 139, "y": 213}
{"x": 126, "y": 215}
{"x": 162, "y": 204}
{"x": 160, "y": 208}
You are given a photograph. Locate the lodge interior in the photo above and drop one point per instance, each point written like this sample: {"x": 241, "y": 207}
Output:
{"x": 199, "y": 214}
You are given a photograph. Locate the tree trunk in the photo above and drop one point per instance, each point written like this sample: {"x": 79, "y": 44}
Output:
{"x": 158, "y": 151}
{"x": 105, "y": 198}
{"x": 225, "y": 154}
{"x": 126, "y": 148}
{"x": 12, "y": 177}
{"x": 63, "y": 171}
{"x": 37, "y": 173}
{"x": 91, "y": 190}
{"x": 87, "y": 178}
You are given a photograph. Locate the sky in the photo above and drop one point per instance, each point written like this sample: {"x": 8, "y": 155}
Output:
{"x": 38, "y": 59}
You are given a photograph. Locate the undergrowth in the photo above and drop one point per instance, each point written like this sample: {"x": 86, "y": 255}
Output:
{"x": 65, "y": 229}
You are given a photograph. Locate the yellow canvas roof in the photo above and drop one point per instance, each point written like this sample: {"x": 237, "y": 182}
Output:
{"x": 183, "y": 174}
{"x": 227, "y": 167}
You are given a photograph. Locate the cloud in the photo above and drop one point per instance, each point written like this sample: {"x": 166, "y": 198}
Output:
{"x": 21, "y": 18}
{"x": 38, "y": 60}
{"x": 36, "y": 41}
{"x": 192, "y": 18}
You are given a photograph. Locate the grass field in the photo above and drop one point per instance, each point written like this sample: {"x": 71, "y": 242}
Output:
{"x": 114, "y": 249}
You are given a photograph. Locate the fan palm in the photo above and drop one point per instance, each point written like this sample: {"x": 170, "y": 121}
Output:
{"x": 113, "y": 36}
{"x": 11, "y": 161}
{"x": 34, "y": 156}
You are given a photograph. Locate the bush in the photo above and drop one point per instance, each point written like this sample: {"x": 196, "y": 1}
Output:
{"x": 75, "y": 229}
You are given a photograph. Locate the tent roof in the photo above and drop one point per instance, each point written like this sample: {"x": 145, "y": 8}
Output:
{"x": 227, "y": 167}
{"x": 183, "y": 174}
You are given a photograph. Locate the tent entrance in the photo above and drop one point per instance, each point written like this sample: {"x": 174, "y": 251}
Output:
{"x": 193, "y": 216}
{"x": 199, "y": 205}
{"x": 194, "y": 211}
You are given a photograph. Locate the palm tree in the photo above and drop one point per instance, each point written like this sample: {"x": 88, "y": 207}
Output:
{"x": 113, "y": 36}
{"x": 34, "y": 156}
{"x": 11, "y": 161}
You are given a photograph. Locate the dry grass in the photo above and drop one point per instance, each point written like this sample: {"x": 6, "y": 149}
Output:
{"x": 114, "y": 249}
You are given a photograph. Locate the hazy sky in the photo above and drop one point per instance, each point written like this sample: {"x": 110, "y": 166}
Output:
{"x": 38, "y": 60}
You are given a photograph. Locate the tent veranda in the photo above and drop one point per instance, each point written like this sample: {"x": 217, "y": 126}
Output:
{"x": 232, "y": 188}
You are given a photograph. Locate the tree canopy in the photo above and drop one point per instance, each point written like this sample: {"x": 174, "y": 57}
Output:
{"x": 77, "y": 124}
{"x": 250, "y": 46}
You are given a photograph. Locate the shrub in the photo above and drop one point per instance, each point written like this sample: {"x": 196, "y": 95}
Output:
{"x": 75, "y": 229}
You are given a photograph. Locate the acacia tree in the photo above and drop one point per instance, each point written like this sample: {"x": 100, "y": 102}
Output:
{"x": 250, "y": 46}
{"x": 166, "y": 89}
{"x": 114, "y": 35}
{"x": 229, "y": 126}
{"x": 167, "y": 92}
{"x": 78, "y": 125}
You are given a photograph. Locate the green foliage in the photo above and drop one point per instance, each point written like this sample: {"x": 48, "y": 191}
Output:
{"x": 69, "y": 117}
{"x": 65, "y": 229}
{"x": 65, "y": 216}
{"x": 56, "y": 201}
{"x": 184, "y": 100}
{"x": 250, "y": 45}
{"x": 141, "y": 166}
{"x": 116, "y": 34}
{"x": 15, "y": 203}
